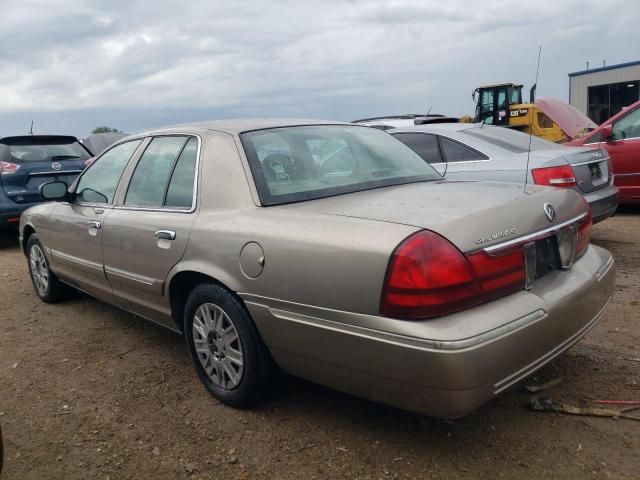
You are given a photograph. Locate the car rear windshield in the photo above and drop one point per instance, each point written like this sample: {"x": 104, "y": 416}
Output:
{"x": 42, "y": 149}
{"x": 512, "y": 140}
{"x": 293, "y": 164}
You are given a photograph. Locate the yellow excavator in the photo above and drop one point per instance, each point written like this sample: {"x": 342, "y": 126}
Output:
{"x": 502, "y": 105}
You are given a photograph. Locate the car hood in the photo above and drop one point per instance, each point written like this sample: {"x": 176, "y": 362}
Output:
{"x": 571, "y": 121}
{"x": 470, "y": 214}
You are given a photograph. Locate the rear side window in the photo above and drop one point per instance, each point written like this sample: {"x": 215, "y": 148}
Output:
{"x": 99, "y": 182}
{"x": 180, "y": 191}
{"x": 44, "y": 149}
{"x": 457, "y": 152}
{"x": 424, "y": 144}
{"x": 164, "y": 175}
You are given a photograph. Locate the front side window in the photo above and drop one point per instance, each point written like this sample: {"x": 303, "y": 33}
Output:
{"x": 628, "y": 126}
{"x": 149, "y": 180}
{"x": 99, "y": 182}
{"x": 424, "y": 144}
{"x": 293, "y": 164}
{"x": 457, "y": 152}
{"x": 597, "y": 138}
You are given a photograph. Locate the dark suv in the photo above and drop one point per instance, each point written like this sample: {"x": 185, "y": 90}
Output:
{"x": 28, "y": 161}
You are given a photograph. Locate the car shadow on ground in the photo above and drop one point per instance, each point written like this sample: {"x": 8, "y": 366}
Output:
{"x": 8, "y": 239}
{"x": 628, "y": 209}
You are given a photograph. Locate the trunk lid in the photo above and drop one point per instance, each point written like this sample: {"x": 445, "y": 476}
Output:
{"x": 31, "y": 160}
{"x": 592, "y": 168}
{"x": 471, "y": 215}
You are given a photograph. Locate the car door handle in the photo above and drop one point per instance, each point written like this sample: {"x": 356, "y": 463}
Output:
{"x": 94, "y": 224}
{"x": 165, "y": 235}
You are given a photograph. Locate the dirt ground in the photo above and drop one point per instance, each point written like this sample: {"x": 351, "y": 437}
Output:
{"x": 87, "y": 391}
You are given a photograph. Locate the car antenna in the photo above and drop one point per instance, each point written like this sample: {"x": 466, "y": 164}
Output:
{"x": 31, "y": 130}
{"x": 526, "y": 170}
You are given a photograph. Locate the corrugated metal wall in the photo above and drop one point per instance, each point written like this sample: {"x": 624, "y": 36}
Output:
{"x": 579, "y": 84}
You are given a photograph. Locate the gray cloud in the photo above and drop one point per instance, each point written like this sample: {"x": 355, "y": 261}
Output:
{"x": 147, "y": 63}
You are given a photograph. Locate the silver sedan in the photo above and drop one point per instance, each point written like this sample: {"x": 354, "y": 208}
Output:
{"x": 465, "y": 151}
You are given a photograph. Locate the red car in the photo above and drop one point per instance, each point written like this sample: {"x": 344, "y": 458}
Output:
{"x": 620, "y": 136}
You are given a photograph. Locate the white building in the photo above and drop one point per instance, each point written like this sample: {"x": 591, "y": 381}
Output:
{"x": 602, "y": 92}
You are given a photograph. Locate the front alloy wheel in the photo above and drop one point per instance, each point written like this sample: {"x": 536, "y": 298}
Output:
{"x": 39, "y": 270}
{"x": 45, "y": 282}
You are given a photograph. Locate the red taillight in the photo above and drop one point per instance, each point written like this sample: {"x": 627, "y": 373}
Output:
{"x": 562, "y": 176}
{"x": 427, "y": 277}
{"x": 7, "y": 168}
{"x": 584, "y": 234}
{"x": 499, "y": 274}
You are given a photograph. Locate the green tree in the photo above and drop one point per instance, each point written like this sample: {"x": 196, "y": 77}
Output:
{"x": 105, "y": 129}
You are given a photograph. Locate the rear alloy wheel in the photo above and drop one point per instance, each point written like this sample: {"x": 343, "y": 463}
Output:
{"x": 45, "y": 282}
{"x": 225, "y": 346}
{"x": 218, "y": 346}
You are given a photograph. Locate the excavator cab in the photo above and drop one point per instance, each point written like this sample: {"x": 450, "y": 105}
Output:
{"x": 493, "y": 103}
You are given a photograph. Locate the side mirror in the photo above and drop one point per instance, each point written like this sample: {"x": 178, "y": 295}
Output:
{"x": 607, "y": 133}
{"x": 53, "y": 191}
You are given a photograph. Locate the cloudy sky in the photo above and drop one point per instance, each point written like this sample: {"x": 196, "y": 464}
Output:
{"x": 73, "y": 65}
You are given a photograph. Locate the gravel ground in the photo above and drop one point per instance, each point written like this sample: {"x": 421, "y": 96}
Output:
{"x": 87, "y": 391}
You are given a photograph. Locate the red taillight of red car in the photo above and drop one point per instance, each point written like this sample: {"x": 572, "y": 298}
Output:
{"x": 7, "y": 168}
{"x": 428, "y": 277}
{"x": 499, "y": 274}
{"x": 562, "y": 176}
{"x": 584, "y": 234}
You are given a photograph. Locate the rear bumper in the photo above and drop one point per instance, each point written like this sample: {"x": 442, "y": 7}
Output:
{"x": 603, "y": 203}
{"x": 449, "y": 366}
{"x": 10, "y": 211}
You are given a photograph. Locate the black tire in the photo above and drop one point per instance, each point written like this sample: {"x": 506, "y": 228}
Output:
{"x": 55, "y": 290}
{"x": 256, "y": 361}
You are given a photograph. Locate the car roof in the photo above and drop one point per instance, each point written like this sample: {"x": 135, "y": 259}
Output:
{"x": 405, "y": 116}
{"x": 438, "y": 127}
{"x": 239, "y": 125}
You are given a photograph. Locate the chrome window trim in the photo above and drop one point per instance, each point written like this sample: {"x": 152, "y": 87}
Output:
{"x": 194, "y": 199}
{"x": 535, "y": 235}
{"x": 461, "y": 161}
{"x": 87, "y": 204}
{"x": 488, "y": 159}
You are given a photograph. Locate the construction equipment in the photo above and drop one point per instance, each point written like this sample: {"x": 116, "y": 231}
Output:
{"x": 502, "y": 105}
